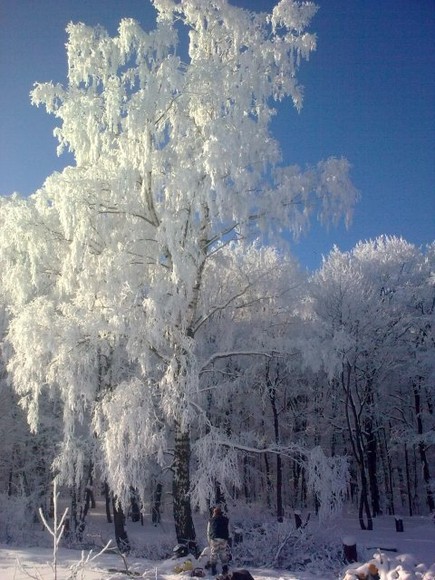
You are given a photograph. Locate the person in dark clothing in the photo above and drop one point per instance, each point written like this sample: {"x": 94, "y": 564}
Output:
{"x": 218, "y": 535}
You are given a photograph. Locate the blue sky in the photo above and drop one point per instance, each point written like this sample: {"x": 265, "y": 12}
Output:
{"x": 369, "y": 96}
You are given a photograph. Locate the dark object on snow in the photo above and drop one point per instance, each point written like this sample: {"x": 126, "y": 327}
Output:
{"x": 298, "y": 519}
{"x": 241, "y": 574}
{"x": 180, "y": 551}
{"x": 399, "y": 525}
{"x": 198, "y": 573}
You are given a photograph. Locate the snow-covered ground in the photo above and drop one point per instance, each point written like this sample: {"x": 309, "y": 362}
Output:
{"x": 412, "y": 551}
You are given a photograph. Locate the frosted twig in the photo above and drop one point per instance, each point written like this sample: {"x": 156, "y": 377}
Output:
{"x": 58, "y": 528}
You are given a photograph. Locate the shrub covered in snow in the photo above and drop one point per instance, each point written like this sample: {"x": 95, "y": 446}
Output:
{"x": 282, "y": 545}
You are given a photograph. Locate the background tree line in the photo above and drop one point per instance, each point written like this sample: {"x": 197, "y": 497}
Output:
{"x": 341, "y": 359}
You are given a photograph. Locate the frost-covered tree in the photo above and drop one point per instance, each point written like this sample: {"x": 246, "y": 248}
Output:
{"x": 25, "y": 466}
{"x": 365, "y": 301}
{"x": 175, "y": 161}
{"x": 246, "y": 350}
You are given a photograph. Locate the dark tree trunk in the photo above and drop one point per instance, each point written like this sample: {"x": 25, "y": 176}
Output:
{"x": 408, "y": 482}
{"x": 121, "y": 537}
{"x": 88, "y": 502}
{"x": 135, "y": 511}
{"x": 271, "y": 386}
{"x": 388, "y": 472}
{"x": 51, "y": 504}
{"x": 279, "y": 502}
{"x": 89, "y": 490}
{"x": 248, "y": 495}
{"x": 356, "y": 440}
{"x": 422, "y": 451}
{"x": 415, "y": 497}
{"x": 364, "y": 507}
{"x": 371, "y": 452}
{"x": 184, "y": 527}
{"x": 74, "y": 521}
{"x": 426, "y": 477}
{"x": 299, "y": 481}
{"x": 268, "y": 481}
{"x": 10, "y": 480}
{"x": 157, "y": 502}
{"x": 107, "y": 498}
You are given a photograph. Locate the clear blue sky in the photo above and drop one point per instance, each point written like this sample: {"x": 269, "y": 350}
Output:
{"x": 369, "y": 96}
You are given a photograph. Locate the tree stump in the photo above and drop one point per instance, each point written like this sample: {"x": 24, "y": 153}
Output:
{"x": 349, "y": 549}
{"x": 399, "y": 524}
{"x": 298, "y": 519}
{"x": 238, "y": 536}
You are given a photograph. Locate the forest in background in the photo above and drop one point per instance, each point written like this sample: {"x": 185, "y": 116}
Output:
{"x": 339, "y": 364}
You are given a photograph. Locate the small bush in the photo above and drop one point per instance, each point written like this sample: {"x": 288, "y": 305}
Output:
{"x": 281, "y": 545}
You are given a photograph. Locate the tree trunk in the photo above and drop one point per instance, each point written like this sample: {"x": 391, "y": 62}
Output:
{"x": 157, "y": 502}
{"x": 184, "y": 527}
{"x": 268, "y": 481}
{"x": 135, "y": 510}
{"x": 10, "y": 480}
{"x": 89, "y": 497}
{"x": 248, "y": 495}
{"x": 426, "y": 477}
{"x": 364, "y": 504}
{"x": 271, "y": 386}
{"x": 388, "y": 472}
{"x": 73, "y": 513}
{"x": 107, "y": 496}
{"x": 422, "y": 451}
{"x": 356, "y": 440}
{"x": 90, "y": 488}
{"x": 371, "y": 452}
{"x": 279, "y": 502}
{"x": 408, "y": 482}
{"x": 121, "y": 537}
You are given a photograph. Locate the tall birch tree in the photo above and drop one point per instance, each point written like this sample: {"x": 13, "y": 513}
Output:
{"x": 174, "y": 160}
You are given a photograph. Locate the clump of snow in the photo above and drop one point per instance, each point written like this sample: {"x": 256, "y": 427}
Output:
{"x": 384, "y": 567}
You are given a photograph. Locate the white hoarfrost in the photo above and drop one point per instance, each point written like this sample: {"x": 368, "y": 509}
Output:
{"x": 111, "y": 269}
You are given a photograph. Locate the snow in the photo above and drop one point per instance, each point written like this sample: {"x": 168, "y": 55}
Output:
{"x": 409, "y": 554}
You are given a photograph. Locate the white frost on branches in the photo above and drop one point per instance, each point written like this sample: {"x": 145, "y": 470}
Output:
{"x": 329, "y": 478}
{"x": 107, "y": 265}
